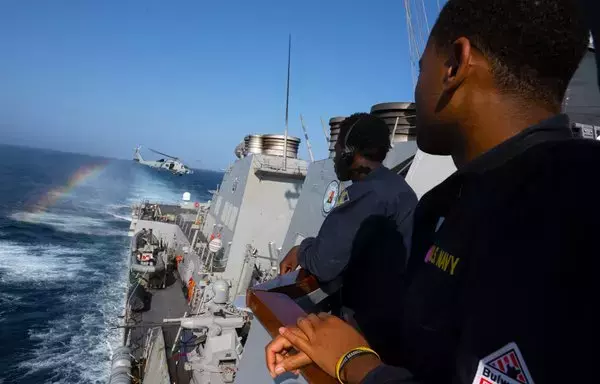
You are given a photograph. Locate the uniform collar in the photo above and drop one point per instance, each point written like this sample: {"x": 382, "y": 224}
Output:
{"x": 554, "y": 128}
{"x": 372, "y": 175}
{"x": 375, "y": 172}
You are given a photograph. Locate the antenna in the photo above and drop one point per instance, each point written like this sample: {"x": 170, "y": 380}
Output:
{"x": 325, "y": 131}
{"x": 417, "y": 26}
{"x": 394, "y": 132}
{"x": 312, "y": 158}
{"x": 287, "y": 102}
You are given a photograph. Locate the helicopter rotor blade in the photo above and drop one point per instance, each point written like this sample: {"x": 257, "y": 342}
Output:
{"x": 164, "y": 154}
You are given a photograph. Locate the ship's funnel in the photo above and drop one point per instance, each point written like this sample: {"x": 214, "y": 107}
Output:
{"x": 334, "y": 130}
{"x": 401, "y": 116}
{"x": 253, "y": 144}
{"x": 269, "y": 145}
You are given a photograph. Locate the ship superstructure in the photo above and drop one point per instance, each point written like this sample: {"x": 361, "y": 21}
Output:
{"x": 190, "y": 261}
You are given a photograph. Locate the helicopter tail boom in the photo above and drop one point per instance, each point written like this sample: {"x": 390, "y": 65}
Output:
{"x": 137, "y": 156}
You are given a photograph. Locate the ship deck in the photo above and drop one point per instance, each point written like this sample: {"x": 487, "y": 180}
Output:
{"x": 163, "y": 303}
{"x": 169, "y": 302}
{"x": 184, "y": 217}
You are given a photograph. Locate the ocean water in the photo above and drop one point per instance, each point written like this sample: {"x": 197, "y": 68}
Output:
{"x": 63, "y": 258}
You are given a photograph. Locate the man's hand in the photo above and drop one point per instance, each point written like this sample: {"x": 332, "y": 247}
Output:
{"x": 323, "y": 339}
{"x": 280, "y": 356}
{"x": 290, "y": 261}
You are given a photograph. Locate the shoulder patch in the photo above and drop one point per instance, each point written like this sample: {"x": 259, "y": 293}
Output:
{"x": 505, "y": 366}
{"x": 342, "y": 198}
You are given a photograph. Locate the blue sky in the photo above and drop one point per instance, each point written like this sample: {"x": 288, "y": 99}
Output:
{"x": 192, "y": 78}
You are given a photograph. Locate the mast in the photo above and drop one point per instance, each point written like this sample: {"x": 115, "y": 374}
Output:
{"x": 312, "y": 158}
{"x": 325, "y": 131}
{"x": 287, "y": 102}
{"x": 417, "y": 27}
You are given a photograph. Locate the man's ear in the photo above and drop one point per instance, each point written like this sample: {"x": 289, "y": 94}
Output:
{"x": 457, "y": 66}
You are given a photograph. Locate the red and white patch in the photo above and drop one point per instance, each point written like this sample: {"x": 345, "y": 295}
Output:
{"x": 505, "y": 366}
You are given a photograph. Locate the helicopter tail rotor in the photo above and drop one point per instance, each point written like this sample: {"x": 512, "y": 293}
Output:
{"x": 137, "y": 156}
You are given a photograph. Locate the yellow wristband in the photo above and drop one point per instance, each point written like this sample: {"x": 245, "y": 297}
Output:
{"x": 348, "y": 356}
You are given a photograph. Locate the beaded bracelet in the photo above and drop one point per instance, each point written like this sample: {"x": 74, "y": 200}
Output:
{"x": 349, "y": 356}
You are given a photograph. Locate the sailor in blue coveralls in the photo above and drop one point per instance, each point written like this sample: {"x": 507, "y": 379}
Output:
{"x": 503, "y": 274}
{"x": 363, "y": 241}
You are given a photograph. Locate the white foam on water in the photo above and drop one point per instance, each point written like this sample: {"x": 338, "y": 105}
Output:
{"x": 6, "y": 298}
{"x": 117, "y": 207}
{"x": 121, "y": 217}
{"x": 68, "y": 223}
{"x": 7, "y": 304}
{"x": 153, "y": 189}
{"x": 39, "y": 263}
{"x": 76, "y": 347}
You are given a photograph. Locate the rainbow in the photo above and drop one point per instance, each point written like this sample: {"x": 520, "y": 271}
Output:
{"x": 84, "y": 173}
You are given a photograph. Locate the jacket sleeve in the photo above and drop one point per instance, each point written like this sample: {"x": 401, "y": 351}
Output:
{"x": 385, "y": 374}
{"x": 403, "y": 207}
{"x": 328, "y": 254}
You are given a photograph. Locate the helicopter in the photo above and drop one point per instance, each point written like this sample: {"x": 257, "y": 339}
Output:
{"x": 172, "y": 164}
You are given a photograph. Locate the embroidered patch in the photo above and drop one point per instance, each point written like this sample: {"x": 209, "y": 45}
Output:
{"x": 505, "y": 366}
{"x": 343, "y": 198}
{"x": 330, "y": 197}
{"x": 442, "y": 259}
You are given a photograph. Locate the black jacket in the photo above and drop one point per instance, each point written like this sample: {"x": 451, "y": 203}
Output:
{"x": 362, "y": 243}
{"x": 502, "y": 281}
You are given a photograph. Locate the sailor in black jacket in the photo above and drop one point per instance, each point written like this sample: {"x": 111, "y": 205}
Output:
{"x": 502, "y": 280}
{"x": 363, "y": 242}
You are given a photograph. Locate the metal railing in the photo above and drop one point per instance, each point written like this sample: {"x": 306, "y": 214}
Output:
{"x": 274, "y": 305}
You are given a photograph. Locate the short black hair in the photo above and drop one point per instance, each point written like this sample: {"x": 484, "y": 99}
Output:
{"x": 534, "y": 46}
{"x": 370, "y": 136}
